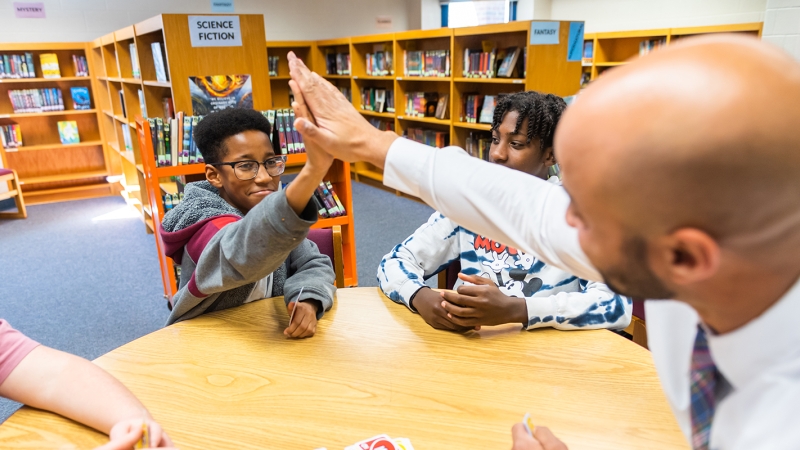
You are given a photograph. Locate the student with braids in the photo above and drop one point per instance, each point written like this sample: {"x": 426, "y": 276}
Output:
{"x": 499, "y": 284}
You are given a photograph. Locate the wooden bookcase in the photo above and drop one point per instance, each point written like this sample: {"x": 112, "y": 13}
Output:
{"x": 279, "y": 85}
{"x": 144, "y": 184}
{"x": 50, "y": 171}
{"x": 616, "y": 48}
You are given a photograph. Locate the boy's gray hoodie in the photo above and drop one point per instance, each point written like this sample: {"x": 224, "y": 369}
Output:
{"x": 223, "y": 253}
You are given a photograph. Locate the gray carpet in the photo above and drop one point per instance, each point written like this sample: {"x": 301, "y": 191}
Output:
{"x": 89, "y": 286}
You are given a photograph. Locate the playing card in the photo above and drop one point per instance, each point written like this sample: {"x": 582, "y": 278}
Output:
{"x": 529, "y": 426}
{"x": 297, "y": 300}
{"x": 379, "y": 442}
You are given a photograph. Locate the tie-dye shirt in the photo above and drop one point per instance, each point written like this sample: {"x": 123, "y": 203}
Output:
{"x": 554, "y": 298}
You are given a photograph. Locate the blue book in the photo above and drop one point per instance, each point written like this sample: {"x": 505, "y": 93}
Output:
{"x": 81, "y": 98}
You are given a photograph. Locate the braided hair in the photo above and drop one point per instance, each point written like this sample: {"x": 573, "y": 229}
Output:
{"x": 543, "y": 112}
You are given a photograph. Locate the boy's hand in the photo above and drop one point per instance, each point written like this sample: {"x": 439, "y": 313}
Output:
{"x": 428, "y": 304}
{"x": 483, "y": 304}
{"x": 304, "y": 322}
{"x": 125, "y": 434}
{"x": 543, "y": 439}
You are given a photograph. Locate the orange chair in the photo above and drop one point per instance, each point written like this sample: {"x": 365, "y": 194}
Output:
{"x": 10, "y": 177}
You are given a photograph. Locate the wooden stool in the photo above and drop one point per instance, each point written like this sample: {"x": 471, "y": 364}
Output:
{"x": 10, "y": 177}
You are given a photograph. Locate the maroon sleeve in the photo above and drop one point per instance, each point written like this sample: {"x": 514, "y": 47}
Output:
{"x": 14, "y": 347}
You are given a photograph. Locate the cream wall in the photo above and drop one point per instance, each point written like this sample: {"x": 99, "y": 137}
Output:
{"x": 84, "y": 20}
{"x": 620, "y": 15}
{"x": 782, "y": 25}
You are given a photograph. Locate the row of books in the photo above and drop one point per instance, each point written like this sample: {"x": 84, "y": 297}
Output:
{"x": 433, "y": 138}
{"x": 379, "y": 64}
{"x": 383, "y": 125}
{"x": 426, "y": 104}
{"x": 491, "y": 63}
{"x": 172, "y": 200}
{"x": 478, "y": 145}
{"x": 476, "y": 108}
{"x": 649, "y": 45}
{"x": 17, "y": 66}
{"x": 377, "y": 99}
{"x": 338, "y": 63}
{"x": 327, "y": 202}
{"x": 284, "y": 133}
{"x": 173, "y": 141}
{"x": 11, "y": 136}
{"x": 272, "y": 62}
{"x": 426, "y": 63}
{"x": 48, "y": 99}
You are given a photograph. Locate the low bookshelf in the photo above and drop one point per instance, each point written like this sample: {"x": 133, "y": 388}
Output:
{"x": 58, "y": 150}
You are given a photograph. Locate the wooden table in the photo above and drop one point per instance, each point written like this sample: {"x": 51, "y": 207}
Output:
{"x": 232, "y": 380}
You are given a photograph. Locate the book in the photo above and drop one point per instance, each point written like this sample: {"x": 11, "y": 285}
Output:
{"x": 478, "y": 145}
{"x": 11, "y": 136}
{"x": 136, "y": 71}
{"x": 158, "y": 61}
{"x": 487, "y": 110}
{"x": 126, "y": 137}
{"x": 509, "y": 62}
{"x": 433, "y": 138}
{"x": 36, "y": 100}
{"x": 68, "y": 132}
{"x": 17, "y": 66}
{"x": 49, "y": 62}
{"x": 80, "y": 98}
{"x": 80, "y": 66}
{"x": 337, "y": 63}
{"x": 142, "y": 103}
{"x": 122, "y": 104}
{"x": 441, "y": 107}
{"x": 588, "y": 53}
{"x": 272, "y": 62}
{"x": 166, "y": 104}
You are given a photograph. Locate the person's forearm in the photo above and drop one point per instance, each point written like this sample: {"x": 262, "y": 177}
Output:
{"x": 300, "y": 190}
{"x": 72, "y": 387}
{"x": 511, "y": 207}
{"x": 377, "y": 147}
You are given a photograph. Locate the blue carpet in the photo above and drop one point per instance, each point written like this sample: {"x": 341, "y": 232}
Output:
{"x": 89, "y": 286}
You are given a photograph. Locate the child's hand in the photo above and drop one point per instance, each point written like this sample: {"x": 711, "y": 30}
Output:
{"x": 304, "y": 322}
{"x": 125, "y": 434}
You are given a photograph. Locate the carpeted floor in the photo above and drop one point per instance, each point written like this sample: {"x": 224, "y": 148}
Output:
{"x": 83, "y": 276}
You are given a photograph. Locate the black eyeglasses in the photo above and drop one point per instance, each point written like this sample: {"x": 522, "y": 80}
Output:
{"x": 247, "y": 170}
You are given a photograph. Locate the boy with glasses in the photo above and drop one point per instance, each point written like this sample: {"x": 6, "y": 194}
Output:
{"x": 238, "y": 237}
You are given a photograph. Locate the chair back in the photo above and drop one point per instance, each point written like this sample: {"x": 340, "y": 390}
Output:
{"x": 449, "y": 276}
{"x": 329, "y": 242}
{"x": 11, "y": 180}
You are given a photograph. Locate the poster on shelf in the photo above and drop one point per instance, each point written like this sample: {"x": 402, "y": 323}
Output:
{"x": 218, "y": 92}
{"x": 545, "y": 32}
{"x": 575, "y": 43}
{"x": 215, "y": 31}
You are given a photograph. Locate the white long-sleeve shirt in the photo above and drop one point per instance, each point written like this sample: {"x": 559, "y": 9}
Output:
{"x": 553, "y": 297}
{"x": 760, "y": 360}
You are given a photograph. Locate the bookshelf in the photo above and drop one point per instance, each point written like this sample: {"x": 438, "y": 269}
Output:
{"x": 617, "y": 48}
{"x": 49, "y": 170}
{"x": 279, "y": 83}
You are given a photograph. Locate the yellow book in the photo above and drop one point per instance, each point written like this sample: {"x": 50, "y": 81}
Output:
{"x": 50, "y": 65}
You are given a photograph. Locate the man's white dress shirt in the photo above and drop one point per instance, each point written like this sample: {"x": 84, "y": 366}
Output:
{"x": 759, "y": 405}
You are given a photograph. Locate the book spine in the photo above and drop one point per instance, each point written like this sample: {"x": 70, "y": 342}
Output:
{"x": 299, "y": 145}
{"x": 335, "y": 197}
{"x": 186, "y": 139}
{"x": 281, "y": 133}
{"x": 193, "y": 146}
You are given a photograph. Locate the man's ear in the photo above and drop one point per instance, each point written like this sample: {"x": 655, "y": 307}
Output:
{"x": 549, "y": 157}
{"x": 686, "y": 256}
{"x": 213, "y": 176}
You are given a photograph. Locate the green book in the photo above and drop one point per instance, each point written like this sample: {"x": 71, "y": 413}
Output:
{"x": 68, "y": 132}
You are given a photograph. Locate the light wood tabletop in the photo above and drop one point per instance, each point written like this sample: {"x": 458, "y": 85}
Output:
{"x": 232, "y": 380}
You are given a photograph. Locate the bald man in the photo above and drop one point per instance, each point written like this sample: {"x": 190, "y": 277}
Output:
{"x": 683, "y": 174}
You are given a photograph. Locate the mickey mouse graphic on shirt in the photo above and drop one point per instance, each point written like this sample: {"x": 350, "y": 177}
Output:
{"x": 504, "y": 257}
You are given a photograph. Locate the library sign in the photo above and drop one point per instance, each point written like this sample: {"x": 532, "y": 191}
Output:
{"x": 215, "y": 31}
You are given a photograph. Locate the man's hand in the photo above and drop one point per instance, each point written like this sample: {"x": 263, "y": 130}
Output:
{"x": 428, "y": 304}
{"x": 543, "y": 439}
{"x": 483, "y": 304}
{"x": 304, "y": 322}
{"x": 339, "y": 130}
{"x": 318, "y": 160}
{"x": 125, "y": 434}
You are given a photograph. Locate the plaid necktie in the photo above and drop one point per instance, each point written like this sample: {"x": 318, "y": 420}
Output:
{"x": 704, "y": 381}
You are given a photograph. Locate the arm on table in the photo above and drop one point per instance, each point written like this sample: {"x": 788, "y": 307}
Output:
{"x": 75, "y": 388}
{"x": 595, "y": 307}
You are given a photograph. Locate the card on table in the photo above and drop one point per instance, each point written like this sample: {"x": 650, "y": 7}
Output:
{"x": 379, "y": 442}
